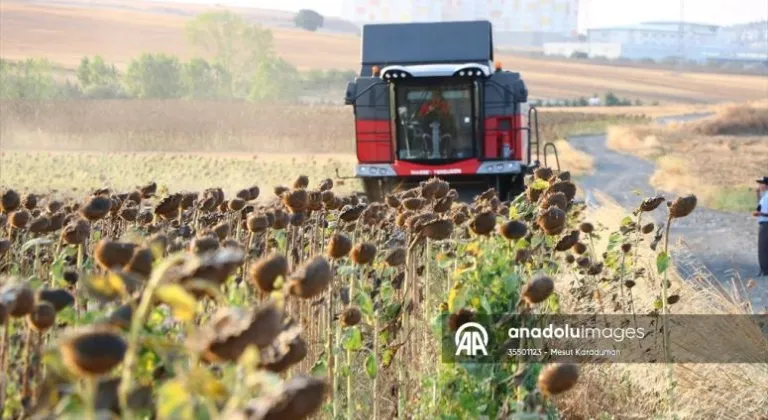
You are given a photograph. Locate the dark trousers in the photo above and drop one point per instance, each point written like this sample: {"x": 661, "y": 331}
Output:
{"x": 762, "y": 248}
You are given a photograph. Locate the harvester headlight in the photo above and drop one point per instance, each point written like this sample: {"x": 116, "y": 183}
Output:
{"x": 500, "y": 167}
{"x": 461, "y": 73}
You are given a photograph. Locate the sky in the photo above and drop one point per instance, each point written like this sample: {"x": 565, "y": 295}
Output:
{"x": 592, "y": 13}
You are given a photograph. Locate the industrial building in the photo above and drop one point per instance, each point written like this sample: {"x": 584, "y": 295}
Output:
{"x": 659, "y": 41}
{"x": 514, "y": 21}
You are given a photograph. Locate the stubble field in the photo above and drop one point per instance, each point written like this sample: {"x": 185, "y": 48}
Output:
{"x": 64, "y": 32}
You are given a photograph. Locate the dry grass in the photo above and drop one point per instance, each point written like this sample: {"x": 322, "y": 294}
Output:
{"x": 632, "y": 391}
{"x": 72, "y": 174}
{"x": 721, "y": 168}
{"x": 573, "y": 160}
{"x": 64, "y": 33}
{"x": 211, "y": 126}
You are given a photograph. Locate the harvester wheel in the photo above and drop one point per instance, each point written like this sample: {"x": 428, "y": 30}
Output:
{"x": 374, "y": 189}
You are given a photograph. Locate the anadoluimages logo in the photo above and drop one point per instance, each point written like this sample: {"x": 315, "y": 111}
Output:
{"x": 471, "y": 338}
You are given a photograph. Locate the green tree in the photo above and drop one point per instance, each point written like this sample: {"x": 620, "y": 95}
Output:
{"x": 237, "y": 46}
{"x": 154, "y": 76}
{"x": 201, "y": 80}
{"x": 275, "y": 80}
{"x": 28, "y": 79}
{"x": 309, "y": 20}
{"x": 99, "y": 79}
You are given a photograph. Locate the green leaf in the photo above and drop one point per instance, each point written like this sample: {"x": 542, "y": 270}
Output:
{"x": 365, "y": 303}
{"x": 181, "y": 301}
{"x": 35, "y": 242}
{"x": 370, "y": 366}
{"x": 353, "y": 339}
{"x": 387, "y": 357}
{"x": 658, "y": 304}
{"x": 320, "y": 368}
{"x": 511, "y": 282}
{"x": 513, "y": 213}
{"x": 662, "y": 262}
{"x": 174, "y": 399}
{"x": 626, "y": 220}
{"x": 486, "y": 306}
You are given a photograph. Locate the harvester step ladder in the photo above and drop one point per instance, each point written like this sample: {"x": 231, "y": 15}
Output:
{"x": 533, "y": 133}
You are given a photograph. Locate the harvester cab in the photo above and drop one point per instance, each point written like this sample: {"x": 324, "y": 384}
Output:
{"x": 430, "y": 101}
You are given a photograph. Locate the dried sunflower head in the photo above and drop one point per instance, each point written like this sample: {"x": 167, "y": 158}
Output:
{"x": 311, "y": 278}
{"x": 557, "y": 378}
{"x": 682, "y": 206}
{"x": 92, "y": 351}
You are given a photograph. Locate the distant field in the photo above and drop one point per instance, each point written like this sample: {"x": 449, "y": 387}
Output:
{"x": 64, "y": 32}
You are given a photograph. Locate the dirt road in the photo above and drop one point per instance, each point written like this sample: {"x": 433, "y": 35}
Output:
{"x": 724, "y": 243}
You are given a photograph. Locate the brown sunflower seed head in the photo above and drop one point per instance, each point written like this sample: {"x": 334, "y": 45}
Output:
{"x": 257, "y": 223}
{"x": 538, "y": 289}
{"x": 584, "y": 262}
{"x": 579, "y": 248}
{"x": 532, "y": 194}
{"x": 42, "y": 317}
{"x": 141, "y": 262}
{"x": 395, "y": 257}
{"x": 651, "y": 203}
{"x": 648, "y": 228}
{"x": 10, "y": 201}
{"x": 236, "y": 204}
{"x": 222, "y": 230}
{"x": 682, "y": 206}
{"x": 587, "y": 227}
{"x": 363, "y": 253}
{"x": 29, "y": 201}
{"x": 543, "y": 173}
{"x": 21, "y": 299}
{"x": 296, "y": 199}
{"x": 202, "y": 244}
{"x": 96, "y": 208}
{"x": 5, "y": 245}
{"x": 392, "y": 201}
{"x": 459, "y": 318}
{"x": 566, "y": 187}
{"x": 626, "y": 247}
{"x": 523, "y": 255}
{"x": 483, "y": 223}
{"x": 513, "y": 230}
{"x": 92, "y": 351}
{"x": 112, "y": 254}
{"x": 351, "y": 316}
{"x": 557, "y": 378}
{"x": 267, "y": 270}
{"x": 40, "y": 224}
{"x": 439, "y": 229}
{"x": 414, "y": 204}
{"x": 570, "y": 259}
{"x": 339, "y": 246}
{"x": 568, "y": 241}
{"x": 557, "y": 199}
{"x": 311, "y": 278}
{"x": 58, "y": 298}
{"x": 298, "y": 218}
{"x": 552, "y": 221}
{"x": 326, "y": 184}
{"x": 301, "y": 182}
{"x": 19, "y": 219}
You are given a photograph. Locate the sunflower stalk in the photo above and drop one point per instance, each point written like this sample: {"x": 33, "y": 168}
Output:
{"x": 137, "y": 321}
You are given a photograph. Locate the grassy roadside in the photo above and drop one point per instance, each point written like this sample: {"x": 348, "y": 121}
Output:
{"x": 720, "y": 156}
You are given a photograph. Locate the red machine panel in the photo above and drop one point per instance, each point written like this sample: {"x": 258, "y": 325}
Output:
{"x": 374, "y": 141}
{"x": 504, "y": 132}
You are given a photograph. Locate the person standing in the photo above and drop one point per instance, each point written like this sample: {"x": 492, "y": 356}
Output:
{"x": 762, "y": 219}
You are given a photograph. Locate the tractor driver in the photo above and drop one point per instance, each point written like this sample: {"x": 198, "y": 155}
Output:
{"x": 437, "y": 109}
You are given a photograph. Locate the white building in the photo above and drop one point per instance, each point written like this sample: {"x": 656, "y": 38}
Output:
{"x": 535, "y": 16}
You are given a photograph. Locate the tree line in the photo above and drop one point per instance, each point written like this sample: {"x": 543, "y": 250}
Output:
{"x": 242, "y": 64}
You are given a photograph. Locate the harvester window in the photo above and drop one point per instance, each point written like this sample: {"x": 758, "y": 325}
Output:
{"x": 435, "y": 122}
